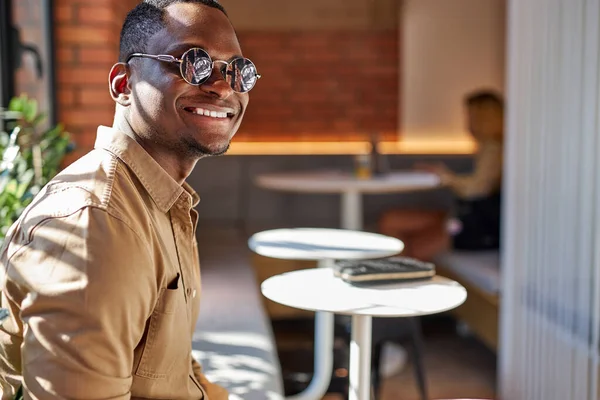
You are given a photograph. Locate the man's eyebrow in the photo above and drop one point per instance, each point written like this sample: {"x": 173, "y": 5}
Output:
{"x": 183, "y": 47}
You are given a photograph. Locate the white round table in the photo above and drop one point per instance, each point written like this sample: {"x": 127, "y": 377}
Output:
{"x": 319, "y": 290}
{"x": 350, "y": 187}
{"x": 317, "y": 244}
{"x": 323, "y": 246}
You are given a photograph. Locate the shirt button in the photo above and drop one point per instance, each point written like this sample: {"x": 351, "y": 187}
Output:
{"x": 194, "y": 293}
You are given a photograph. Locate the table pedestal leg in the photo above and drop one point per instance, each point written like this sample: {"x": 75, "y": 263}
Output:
{"x": 360, "y": 358}
{"x": 323, "y": 366}
{"x": 351, "y": 211}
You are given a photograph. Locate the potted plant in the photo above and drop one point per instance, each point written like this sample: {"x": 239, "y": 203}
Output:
{"x": 31, "y": 156}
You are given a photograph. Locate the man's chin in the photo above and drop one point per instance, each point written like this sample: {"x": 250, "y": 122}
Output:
{"x": 218, "y": 152}
{"x": 212, "y": 150}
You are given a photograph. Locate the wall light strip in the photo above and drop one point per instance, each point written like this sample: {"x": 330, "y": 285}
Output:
{"x": 412, "y": 147}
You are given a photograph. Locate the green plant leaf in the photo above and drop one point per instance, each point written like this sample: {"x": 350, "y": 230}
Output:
{"x": 21, "y": 187}
{"x": 16, "y": 104}
{"x": 38, "y": 119}
{"x": 31, "y": 110}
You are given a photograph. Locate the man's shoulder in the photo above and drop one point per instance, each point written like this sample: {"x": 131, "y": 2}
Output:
{"x": 88, "y": 180}
{"x": 94, "y": 181}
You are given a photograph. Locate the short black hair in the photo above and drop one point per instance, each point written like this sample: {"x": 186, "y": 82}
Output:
{"x": 145, "y": 20}
{"x": 484, "y": 97}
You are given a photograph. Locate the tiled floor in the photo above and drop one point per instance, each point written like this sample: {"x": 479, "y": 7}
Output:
{"x": 456, "y": 367}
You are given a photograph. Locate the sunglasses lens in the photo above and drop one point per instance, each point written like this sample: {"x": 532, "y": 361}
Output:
{"x": 196, "y": 66}
{"x": 241, "y": 75}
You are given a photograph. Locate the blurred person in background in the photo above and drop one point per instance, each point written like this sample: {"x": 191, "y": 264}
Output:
{"x": 475, "y": 223}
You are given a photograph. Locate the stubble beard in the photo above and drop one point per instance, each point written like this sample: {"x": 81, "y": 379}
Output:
{"x": 197, "y": 150}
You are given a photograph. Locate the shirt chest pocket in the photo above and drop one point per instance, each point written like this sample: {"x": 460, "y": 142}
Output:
{"x": 167, "y": 341}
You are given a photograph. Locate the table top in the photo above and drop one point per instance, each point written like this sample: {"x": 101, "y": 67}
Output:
{"x": 339, "y": 181}
{"x": 323, "y": 244}
{"x": 319, "y": 290}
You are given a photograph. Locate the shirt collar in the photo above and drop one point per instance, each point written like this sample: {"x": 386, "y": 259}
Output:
{"x": 163, "y": 189}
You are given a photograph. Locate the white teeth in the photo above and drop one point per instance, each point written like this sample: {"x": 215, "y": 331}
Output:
{"x": 208, "y": 113}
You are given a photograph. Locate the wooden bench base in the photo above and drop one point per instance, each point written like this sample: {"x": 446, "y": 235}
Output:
{"x": 480, "y": 311}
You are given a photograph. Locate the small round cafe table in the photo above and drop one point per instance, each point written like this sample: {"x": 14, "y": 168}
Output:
{"x": 321, "y": 291}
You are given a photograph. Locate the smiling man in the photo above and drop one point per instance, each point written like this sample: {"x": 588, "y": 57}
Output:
{"x": 101, "y": 273}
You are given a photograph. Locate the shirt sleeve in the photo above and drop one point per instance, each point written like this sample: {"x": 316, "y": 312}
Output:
{"x": 486, "y": 177}
{"x": 87, "y": 287}
{"x": 213, "y": 391}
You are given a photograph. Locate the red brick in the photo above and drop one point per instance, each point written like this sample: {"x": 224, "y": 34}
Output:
{"x": 95, "y": 14}
{"x": 66, "y": 97}
{"x": 86, "y": 35}
{"x": 86, "y": 139}
{"x": 95, "y": 55}
{"x": 64, "y": 13}
{"x": 84, "y": 75}
{"x": 103, "y": 3}
{"x": 95, "y": 96}
{"x": 65, "y": 55}
{"x": 87, "y": 117}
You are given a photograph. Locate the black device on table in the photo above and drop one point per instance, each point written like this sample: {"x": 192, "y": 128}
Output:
{"x": 383, "y": 270}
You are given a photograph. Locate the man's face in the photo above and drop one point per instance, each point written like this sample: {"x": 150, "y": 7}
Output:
{"x": 165, "y": 109}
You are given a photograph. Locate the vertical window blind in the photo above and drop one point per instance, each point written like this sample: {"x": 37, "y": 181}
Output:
{"x": 550, "y": 310}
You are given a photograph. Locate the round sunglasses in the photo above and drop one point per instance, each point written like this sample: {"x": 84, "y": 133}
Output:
{"x": 196, "y": 66}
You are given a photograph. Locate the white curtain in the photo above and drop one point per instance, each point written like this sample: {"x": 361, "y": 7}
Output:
{"x": 551, "y": 253}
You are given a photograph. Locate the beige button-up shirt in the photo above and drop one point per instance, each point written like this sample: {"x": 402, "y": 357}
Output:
{"x": 101, "y": 276}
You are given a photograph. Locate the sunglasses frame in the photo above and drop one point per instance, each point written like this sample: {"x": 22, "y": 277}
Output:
{"x": 172, "y": 59}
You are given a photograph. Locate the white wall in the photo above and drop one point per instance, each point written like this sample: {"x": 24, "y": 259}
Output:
{"x": 448, "y": 48}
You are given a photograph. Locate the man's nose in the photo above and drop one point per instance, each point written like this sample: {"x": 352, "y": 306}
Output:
{"x": 216, "y": 85}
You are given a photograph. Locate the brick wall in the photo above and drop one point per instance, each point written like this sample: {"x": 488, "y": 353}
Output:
{"x": 332, "y": 76}
{"x": 330, "y": 68}
{"x": 322, "y": 85}
{"x": 87, "y": 37}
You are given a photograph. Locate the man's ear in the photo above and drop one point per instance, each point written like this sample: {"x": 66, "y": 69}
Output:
{"x": 120, "y": 89}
